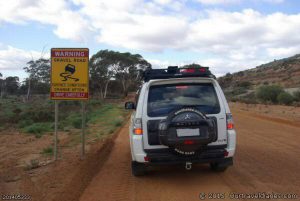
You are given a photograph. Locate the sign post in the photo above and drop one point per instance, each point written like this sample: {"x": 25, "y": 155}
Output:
{"x": 83, "y": 130}
{"x": 69, "y": 81}
{"x": 55, "y": 129}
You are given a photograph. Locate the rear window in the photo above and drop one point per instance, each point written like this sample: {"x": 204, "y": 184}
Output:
{"x": 163, "y": 99}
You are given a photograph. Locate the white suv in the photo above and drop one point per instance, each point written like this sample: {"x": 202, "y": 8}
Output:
{"x": 181, "y": 116}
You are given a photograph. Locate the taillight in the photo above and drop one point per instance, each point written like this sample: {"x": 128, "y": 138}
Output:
{"x": 226, "y": 153}
{"x": 137, "y": 127}
{"x": 146, "y": 158}
{"x": 138, "y": 131}
{"x": 229, "y": 121}
{"x": 188, "y": 142}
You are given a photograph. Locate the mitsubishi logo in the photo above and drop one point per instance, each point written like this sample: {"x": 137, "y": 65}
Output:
{"x": 187, "y": 116}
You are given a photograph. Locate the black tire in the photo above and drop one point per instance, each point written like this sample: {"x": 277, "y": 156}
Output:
{"x": 218, "y": 167}
{"x": 138, "y": 169}
{"x": 186, "y": 117}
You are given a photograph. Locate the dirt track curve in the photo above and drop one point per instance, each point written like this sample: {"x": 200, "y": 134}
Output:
{"x": 267, "y": 160}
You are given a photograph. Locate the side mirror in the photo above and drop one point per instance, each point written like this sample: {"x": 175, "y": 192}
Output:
{"x": 129, "y": 106}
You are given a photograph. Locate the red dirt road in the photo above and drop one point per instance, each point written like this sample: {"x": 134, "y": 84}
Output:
{"x": 267, "y": 160}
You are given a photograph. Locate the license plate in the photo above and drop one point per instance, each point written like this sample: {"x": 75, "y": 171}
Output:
{"x": 188, "y": 132}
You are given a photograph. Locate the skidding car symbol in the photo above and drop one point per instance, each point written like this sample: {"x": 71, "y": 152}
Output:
{"x": 69, "y": 71}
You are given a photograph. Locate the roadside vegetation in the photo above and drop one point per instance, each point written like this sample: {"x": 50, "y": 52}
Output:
{"x": 37, "y": 117}
{"x": 274, "y": 94}
{"x": 25, "y": 104}
{"x": 276, "y": 82}
{"x": 112, "y": 75}
{"x": 266, "y": 94}
{"x": 248, "y": 92}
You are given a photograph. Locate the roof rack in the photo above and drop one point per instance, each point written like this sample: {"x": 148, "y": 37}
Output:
{"x": 175, "y": 72}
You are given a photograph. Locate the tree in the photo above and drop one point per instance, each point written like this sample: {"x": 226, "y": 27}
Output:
{"x": 285, "y": 98}
{"x": 38, "y": 70}
{"x": 37, "y": 87}
{"x": 268, "y": 93}
{"x": 11, "y": 84}
{"x": 296, "y": 95}
{"x": 1, "y": 85}
{"x": 128, "y": 69}
{"x": 124, "y": 67}
{"x": 100, "y": 74}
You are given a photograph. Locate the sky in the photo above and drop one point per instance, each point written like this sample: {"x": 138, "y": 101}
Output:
{"x": 226, "y": 35}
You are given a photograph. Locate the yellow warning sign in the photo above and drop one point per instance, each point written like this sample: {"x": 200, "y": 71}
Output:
{"x": 69, "y": 74}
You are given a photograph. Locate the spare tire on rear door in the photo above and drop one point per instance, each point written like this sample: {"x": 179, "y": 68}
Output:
{"x": 187, "y": 130}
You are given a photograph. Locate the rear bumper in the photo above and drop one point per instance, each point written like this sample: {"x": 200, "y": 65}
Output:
{"x": 158, "y": 156}
{"x": 167, "y": 156}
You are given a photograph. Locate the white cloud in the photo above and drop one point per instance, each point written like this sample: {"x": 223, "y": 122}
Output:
{"x": 246, "y": 35}
{"x": 12, "y": 58}
{"x": 226, "y": 2}
{"x": 214, "y": 2}
{"x": 149, "y": 33}
{"x": 69, "y": 24}
{"x": 221, "y": 66}
{"x": 160, "y": 63}
{"x": 163, "y": 2}
{"x": 274, "y": 1}
{"x": 235, "y": 40}
{"x": 283, "y": 52}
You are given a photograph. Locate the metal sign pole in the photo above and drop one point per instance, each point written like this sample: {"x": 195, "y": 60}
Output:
{"x": 83, "y": 130}
{"x": 55, "y": 129}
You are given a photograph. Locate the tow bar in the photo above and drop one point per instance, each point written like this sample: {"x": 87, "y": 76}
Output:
{"x": 188, "y": 165}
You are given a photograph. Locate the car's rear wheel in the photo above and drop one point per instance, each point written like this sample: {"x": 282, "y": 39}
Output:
{"x": 218, "y": 167}
{"x": 138, "y": 169}
{"x": 187, "y": 130}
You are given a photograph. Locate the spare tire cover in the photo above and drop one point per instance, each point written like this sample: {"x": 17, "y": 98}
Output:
{"x": 187, "y": 130}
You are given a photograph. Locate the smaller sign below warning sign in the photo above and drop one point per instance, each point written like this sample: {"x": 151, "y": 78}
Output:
{"x": 69, "y": 74}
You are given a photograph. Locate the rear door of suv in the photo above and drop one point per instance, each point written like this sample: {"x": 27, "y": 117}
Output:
{"x": 163, "y": 96}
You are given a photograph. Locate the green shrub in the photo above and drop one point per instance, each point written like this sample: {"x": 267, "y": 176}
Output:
{"x": 94, "y": 102}
{"x": 34, "y": 163}
{"x": 38, "y": 114}
{"x": 47, "y": 151}
{"x": 239, "y": 90}
{"x": 95, "y": 114}
{"x": 118, "y": 122}
{"x": 74, "y": 120}
{"x": 38, "y": 129}
{"x": 69, "y": 103}
{"x": 66, "y": 129}
{"x": 24, "y": 123}
{"x": 77, "y": 122}
{"x": 244, "y": 84}
{"x": 268, "y": 93}
{"x": 296, "y": 95}
{"x": 235, "y": 92}
{"x": 248, "y": 99}
{"x": 285, "y": 98}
